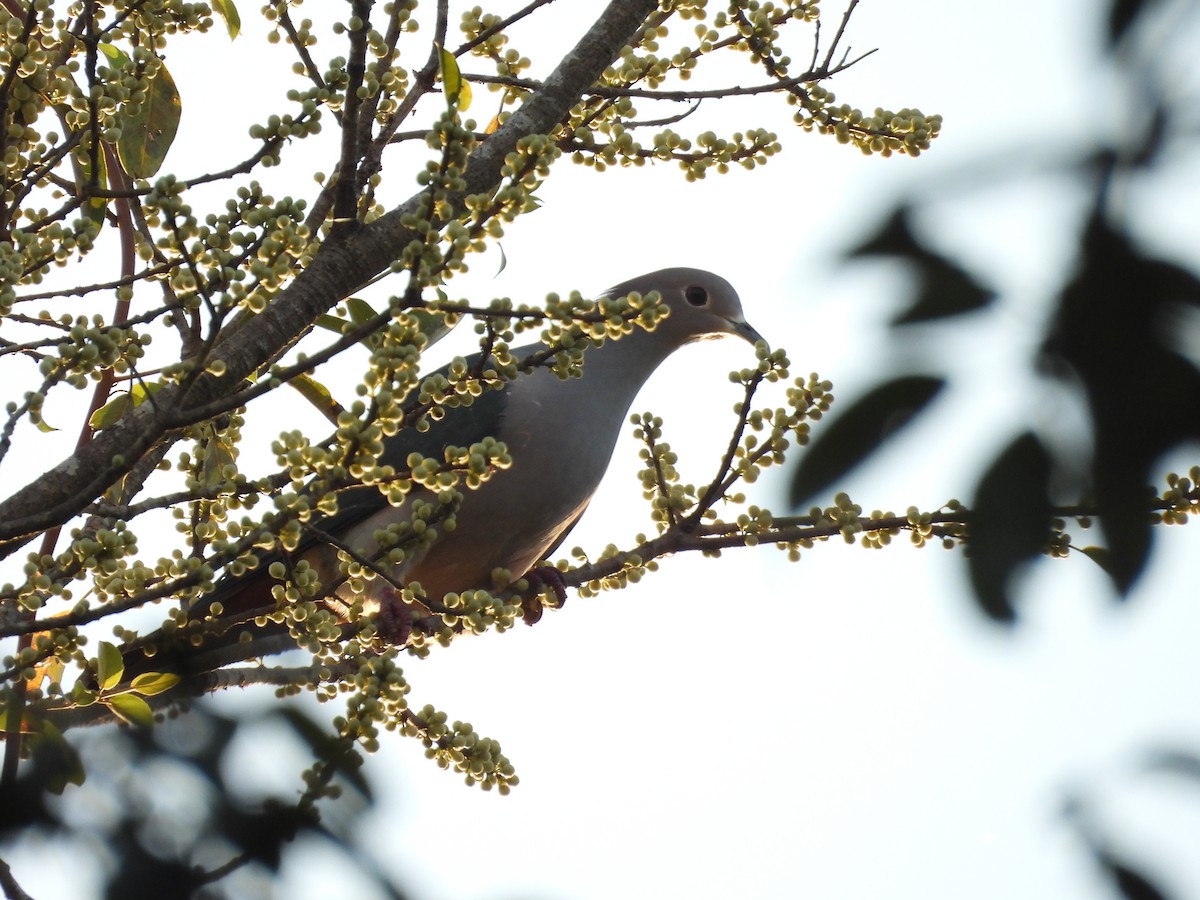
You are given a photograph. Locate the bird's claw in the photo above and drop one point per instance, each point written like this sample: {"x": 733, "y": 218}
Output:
{"x": 394, "y": 620}
{"x": 540, "y": 578}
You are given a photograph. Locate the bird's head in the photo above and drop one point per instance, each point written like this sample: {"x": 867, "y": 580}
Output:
{"x": 702, "y": 305}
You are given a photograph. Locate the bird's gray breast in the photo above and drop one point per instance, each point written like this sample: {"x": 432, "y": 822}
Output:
{"x": 560, "y": 435}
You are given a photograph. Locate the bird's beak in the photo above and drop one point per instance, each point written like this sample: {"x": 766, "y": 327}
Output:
{"x": 746, "y": 330}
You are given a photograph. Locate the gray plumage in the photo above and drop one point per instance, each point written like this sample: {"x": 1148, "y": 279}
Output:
{"x": 559, "y": 433}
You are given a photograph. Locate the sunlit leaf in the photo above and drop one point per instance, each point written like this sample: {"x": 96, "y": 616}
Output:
{"x": 47, "y": 670}
{"x": 131, "y": 709}
{"x": 458, "y": 92}
{"x": 143, "y": 389}
{"x": 111, "y": 411}
{"x": 150, "y": 683}
{"x": 228, "y": 11}
{"x": 318, "y": 395}
{"x": 114, "y": 55}
{"x": 147, "y": 136}
{"x": 110, "y": 666}
{"x": 82, "y": 695}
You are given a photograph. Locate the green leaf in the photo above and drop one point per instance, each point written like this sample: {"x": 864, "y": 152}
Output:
{"x": 110, "y": 666}
{"x": 360, "y": 310}
{"x": 150, "y": 683}
{"x": 111, "y": 411}
{"x": 95, "y": 207}
{"x": 331, "y": 323}
{"x": 227, "y": 11}
{"x": 131, "y": 709}
{"x": 218, "y": 454}
{"x": 115, "y": 55}
{"x": 503, "y": 259}
{"x": 143, "y": 389}
{"x": 82, "y": 696}
{"x": 318, "y": 395}
{"x": 147, "y": 136}
{"x": 51, "y": 670}
{"x": 458, "y": 92}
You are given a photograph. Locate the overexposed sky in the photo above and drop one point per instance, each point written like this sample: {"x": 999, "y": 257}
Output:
{"x": 847, "y": 726}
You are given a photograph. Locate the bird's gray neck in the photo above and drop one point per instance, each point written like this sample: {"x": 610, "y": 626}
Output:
{"x": 622, "y": 366}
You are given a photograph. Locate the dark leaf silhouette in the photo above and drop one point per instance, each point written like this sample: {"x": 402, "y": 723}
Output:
{"x": 1010, "y": 523}
{"x": 1113, "y": 330}
{"x": 1121, "y": 16}
{"x": 1132, "y": 884}
{"x": 1176, "y": 762}
{"x": 944, "y": 288}
{"x": 856, "y": 433}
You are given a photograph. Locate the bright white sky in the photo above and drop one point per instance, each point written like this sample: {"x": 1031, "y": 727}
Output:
{"x": 847, "y": 726}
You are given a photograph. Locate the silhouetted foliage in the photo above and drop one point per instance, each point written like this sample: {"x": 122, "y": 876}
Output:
{"x": 1113, "y": 338}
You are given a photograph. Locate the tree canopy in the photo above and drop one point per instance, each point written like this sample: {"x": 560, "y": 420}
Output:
{"x": 168, "y": 311}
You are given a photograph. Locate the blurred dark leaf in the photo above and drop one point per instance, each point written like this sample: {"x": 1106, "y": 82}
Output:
{"x": 1132, "y": 884}
{"x": 261, "y": 834}
{"x": 1010, "y": 523}
{"x": 1122, "y": 14}
{"x": 57, "y": 763}
{"x": 1116, "y": 319}
{"x": 23, "y": 803}
{"x": 142, "y": 874}
{"x": 329, "y": 748}
{"x": 1154, "y": 135}
{"x": 944, "y": 289}
{"x": 855, "y": 434}
{"x": 1175, "y": 762}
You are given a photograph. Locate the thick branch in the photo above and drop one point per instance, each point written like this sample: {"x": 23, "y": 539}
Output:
{"x": 339, "y": 268}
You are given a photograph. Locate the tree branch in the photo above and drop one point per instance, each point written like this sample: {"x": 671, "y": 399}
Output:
{"x": 339, "y": 267}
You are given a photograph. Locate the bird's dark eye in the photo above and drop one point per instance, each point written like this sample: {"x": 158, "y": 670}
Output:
{"x": 696, "y": 295}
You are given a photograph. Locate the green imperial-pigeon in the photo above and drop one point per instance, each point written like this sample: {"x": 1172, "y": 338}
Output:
{"x": 560, "y": 435}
